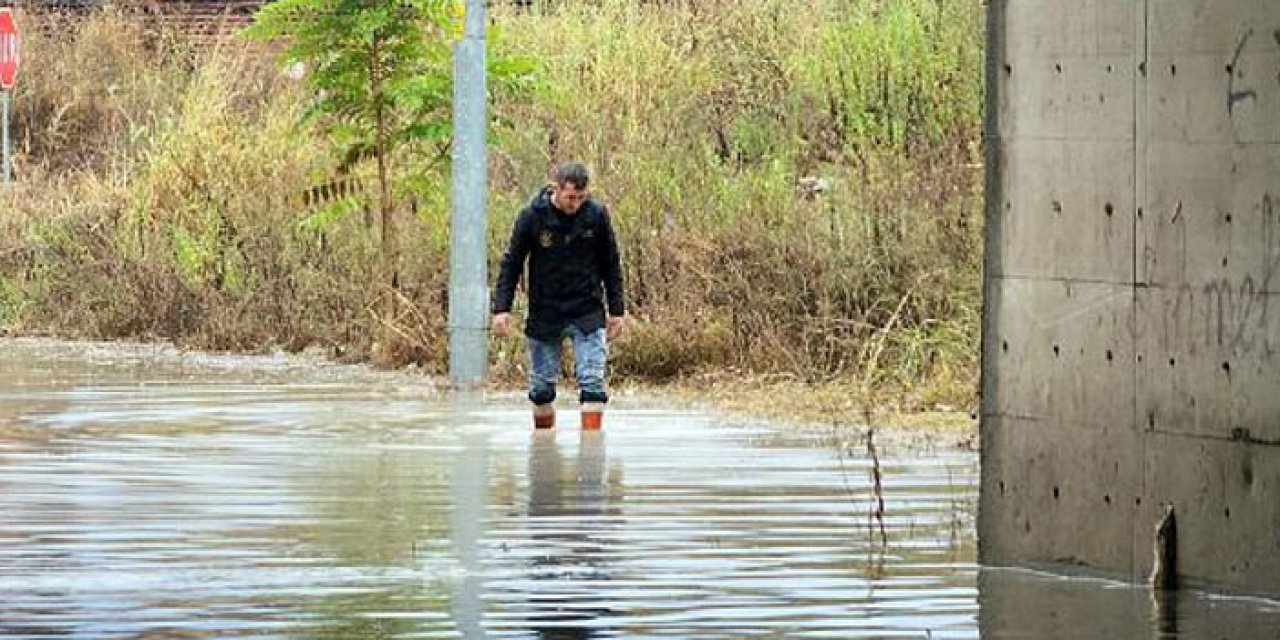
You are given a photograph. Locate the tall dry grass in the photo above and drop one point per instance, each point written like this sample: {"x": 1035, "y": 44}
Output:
{"x": 161, "y": 194}
{"x": 795, "y": 185}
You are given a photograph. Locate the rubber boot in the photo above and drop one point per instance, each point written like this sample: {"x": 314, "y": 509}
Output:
{"x": 544, "y": 416}
{"x": 592, "y": 416}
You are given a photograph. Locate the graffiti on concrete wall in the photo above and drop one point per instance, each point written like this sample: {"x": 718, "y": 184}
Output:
{"x": 1234, "y": 96}
{"x": 1227, "y": 315}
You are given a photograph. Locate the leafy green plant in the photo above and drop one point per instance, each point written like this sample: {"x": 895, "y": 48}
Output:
{"x": 380, "y": 73}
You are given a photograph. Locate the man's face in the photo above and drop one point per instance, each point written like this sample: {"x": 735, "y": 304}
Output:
{"x": 567, "y": 197}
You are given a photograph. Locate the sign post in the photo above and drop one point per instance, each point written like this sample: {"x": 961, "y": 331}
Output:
{"x": 4, "y": 164}
{"x": 10, "y": 49}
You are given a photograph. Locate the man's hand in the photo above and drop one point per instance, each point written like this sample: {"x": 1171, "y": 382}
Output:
{"x": 615, "y": 326}
{"x": 501, "y": 324}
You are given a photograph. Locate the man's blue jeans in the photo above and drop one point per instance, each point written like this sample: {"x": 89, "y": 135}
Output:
{"x": 590, "y": 351}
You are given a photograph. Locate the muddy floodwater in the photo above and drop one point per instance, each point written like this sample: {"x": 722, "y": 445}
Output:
{"x": 148, "y": 493}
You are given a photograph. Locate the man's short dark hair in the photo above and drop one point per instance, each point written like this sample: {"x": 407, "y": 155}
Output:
{"x": 571, "y": 173}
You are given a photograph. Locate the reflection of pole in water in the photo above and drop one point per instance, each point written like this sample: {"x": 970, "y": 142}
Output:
{"x": 470, "y": 483}
{"x": 1164, "y": 613}
{"x": 591, "y": 487}
{"x": 569, "y": 561}
{"x": 544, "y": 474}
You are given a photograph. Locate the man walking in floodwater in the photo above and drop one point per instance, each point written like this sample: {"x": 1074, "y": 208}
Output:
{"x": 575, "y": 276}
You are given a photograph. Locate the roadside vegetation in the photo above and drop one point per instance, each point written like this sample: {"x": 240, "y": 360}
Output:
{"x": 797, "y": 188}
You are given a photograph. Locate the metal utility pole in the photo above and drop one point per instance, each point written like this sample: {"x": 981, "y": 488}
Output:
{"x": 4, "y": 162}
{"x": 10, "y": 59}
{"x": 468, "y": 269}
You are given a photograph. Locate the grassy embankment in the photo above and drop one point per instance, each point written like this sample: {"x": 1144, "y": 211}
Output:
{"x": 160, "y": 194}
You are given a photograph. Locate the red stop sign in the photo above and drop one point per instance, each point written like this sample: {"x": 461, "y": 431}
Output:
{"x": 10, "y": 45}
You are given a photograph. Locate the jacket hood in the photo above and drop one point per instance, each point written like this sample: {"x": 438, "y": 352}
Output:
{"x": 542, "y": 199}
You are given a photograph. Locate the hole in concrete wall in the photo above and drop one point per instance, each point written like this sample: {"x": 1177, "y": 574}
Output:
{"x": 1137, "y": 501}
{"x": 1229, "y": 69}
{"x": 1139, "y": 213}
{"x": 1173, "y": 69}
{"x": 1139, "y": 358}
{"x": 1142, "y": 68}
{"x": 1055, "y": 493}
{"x": 1002, "y": 487}
{"x": 1026, "y": 526}
{"x": 1058, "y": 68}
{"x": 1008, "y": 70}
{"x": 1004, "y": 346}
{"x": 1057, "y": 207}
{"x": 1173, "y": 362}
{"x": 1151, "y": 419}
{"x": 1056, "y": 351}
{"x": 1226, "y": 513}
{"x": 1108, "y": 68}
{"x": 1227, "y": 218}
{"x": 1226, "y": 366}
{"x": 1109, "y": 357}
{"x": 1109, "y": 209}
{"x": 1106, "y": 499}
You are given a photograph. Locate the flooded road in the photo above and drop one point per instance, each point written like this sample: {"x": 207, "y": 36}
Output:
{"x": 149, "y": 493}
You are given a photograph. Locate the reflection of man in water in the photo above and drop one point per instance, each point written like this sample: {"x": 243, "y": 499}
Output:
{"x": 567, "y": 517}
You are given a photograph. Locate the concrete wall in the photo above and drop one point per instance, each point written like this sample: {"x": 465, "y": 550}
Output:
{"x": 1129, "y": 348}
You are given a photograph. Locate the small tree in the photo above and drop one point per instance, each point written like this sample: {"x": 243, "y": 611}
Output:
{"x": 382, "y": 76}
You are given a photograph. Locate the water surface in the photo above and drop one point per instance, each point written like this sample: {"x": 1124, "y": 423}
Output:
{"x": 150, "y": 493}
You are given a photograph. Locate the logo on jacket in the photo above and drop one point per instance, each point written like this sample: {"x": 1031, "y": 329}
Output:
{"x": 546, "y": 238}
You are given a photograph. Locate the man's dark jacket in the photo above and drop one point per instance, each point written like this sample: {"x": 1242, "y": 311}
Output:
{"x": 573, "y": 264}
